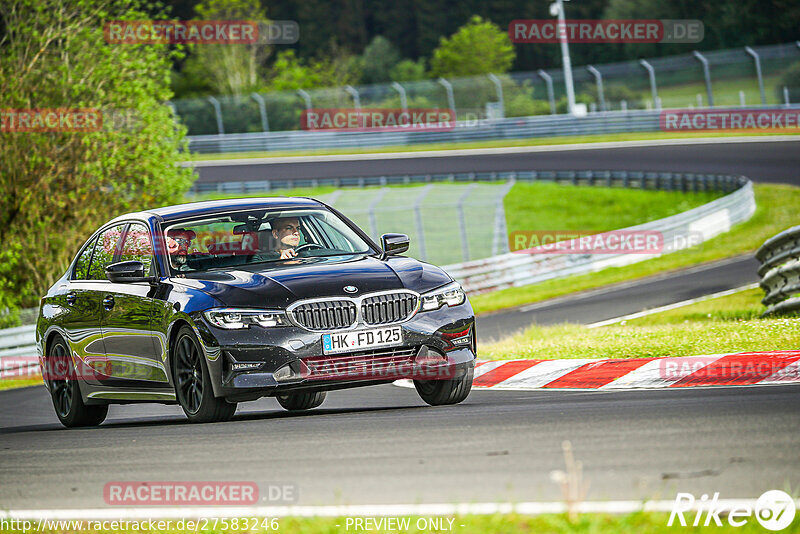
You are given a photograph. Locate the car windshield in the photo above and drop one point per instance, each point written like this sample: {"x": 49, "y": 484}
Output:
{"x": 259, "y": 236}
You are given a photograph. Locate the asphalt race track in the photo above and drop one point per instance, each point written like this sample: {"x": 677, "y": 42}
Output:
{"x": 622, "y": 299}
{"x": 776, "y": 161}
{"x": 382, "y": 445}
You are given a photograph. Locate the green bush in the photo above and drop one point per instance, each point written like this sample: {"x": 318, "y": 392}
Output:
{"x": 522, "y": 105}
{"x": 56, "y": 187}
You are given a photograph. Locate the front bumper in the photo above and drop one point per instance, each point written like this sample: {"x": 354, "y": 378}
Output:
{"x": 256, "y": 362}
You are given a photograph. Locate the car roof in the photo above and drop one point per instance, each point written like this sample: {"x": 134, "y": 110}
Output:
{"x": 210, "y": 207}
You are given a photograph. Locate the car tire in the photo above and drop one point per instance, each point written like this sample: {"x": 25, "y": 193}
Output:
{"x": 441, "y": 392}
{"x": 65, "y": 391}
{"x": 193, "y": 389}
{"x": 295, "y": 402}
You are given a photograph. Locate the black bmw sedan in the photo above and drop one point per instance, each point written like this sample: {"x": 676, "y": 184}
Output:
{"x": 213, "y": 303}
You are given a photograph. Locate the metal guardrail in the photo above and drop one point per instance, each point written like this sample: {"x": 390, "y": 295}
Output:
{"x": 655, "y": 180}
{"x": 18, "y": 351}
{"x": 780, "y": 272}
{"x": 679, "y": 231}
{"x": 610, "y": 122}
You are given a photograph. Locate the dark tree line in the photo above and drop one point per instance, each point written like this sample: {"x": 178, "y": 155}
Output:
{"x": 414, "y": 27}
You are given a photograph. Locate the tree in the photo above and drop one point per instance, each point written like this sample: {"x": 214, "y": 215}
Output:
{"x": 57, "y": 187}
{"x": 289, "y": 73}
{"x": 229, "y": 68}
{"x": 478, "y": 47}
{"x": 378, "y": 59}
{"x": 408, "y": 71}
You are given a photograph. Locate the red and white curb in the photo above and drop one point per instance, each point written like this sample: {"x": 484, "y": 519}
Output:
{"x": 739, "y": 369}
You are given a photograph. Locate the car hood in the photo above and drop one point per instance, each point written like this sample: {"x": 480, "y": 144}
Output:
{"x": 279, "y": 284}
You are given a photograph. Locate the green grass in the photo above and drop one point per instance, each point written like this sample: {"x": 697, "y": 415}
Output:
{"x": 546, "y": 206}
{"x": 778, "y": 208}
{"x": 14, "y": 383}
{"x": 742, "y": 306}
{"x": 500, "y": 143}
{"x": 634, "y": 523}
{"x": 725, "y": 324}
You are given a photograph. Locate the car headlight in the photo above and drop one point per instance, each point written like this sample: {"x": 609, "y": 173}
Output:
{"x": 450, "y": 295}
{"x": 231, "y": 318}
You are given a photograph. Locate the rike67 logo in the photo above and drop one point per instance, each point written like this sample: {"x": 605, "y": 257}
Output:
{"x": 774, "y": 510}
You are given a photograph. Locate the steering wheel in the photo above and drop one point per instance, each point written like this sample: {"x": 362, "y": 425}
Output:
{"x": 308, "y": 246}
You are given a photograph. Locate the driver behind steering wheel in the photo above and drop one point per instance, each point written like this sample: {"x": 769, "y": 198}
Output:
{"x": 286, "y": 231}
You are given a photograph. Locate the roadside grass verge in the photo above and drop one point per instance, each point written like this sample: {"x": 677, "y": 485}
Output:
{"x": 725, "y": 324}
{"x": 634, "y": 523}
{"x": 14, "y": 383}
{"x": 778, "y": 208}
{"x": 542, "y": 206}
{"x": 499, "y": 143}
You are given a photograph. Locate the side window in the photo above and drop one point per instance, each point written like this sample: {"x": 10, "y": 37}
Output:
{"x": 104, "y": 252}
{"x": 82, "y": 265}
{"x": 137, "y": 247}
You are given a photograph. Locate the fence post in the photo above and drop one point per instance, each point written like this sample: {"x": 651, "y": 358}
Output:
{"x": 598, "y": 78}
{"x": 786, "y": 95}
{"x": 400, "y": 89}
{"x": 549, "y": 81}
{"x": 218, "y": 113}
{"x": 306, "y": 97}
{"x": 499, "y": 89}
{"x": 418, "y": 216}
{"x": 500, "y": 239}
{"x": 352, "y": 91}
{"x": 262, "y": 108}
{"x": 651, "y": 73}
{"x": 462, "y": 222}
{"x": 707, "y": 74}
{"x": 373, "y": 223}
{"x": 757, "y": 61}
{"x": 448, "y": 87}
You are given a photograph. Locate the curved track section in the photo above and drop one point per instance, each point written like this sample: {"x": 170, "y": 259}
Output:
{"x": 761, "y": 160}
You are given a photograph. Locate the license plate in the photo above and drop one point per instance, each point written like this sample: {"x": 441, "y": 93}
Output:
{"x": 361, "y": 339}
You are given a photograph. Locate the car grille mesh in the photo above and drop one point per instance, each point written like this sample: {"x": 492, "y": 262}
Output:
{"x": 387, "y": 309}
{"x": 327, "y": 315}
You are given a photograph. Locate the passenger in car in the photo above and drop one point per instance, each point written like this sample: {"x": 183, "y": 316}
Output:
{"x": 178, "y": 242}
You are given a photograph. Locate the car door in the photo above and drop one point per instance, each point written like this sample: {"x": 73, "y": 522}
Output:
{"x": 83, "y": 302}
{"x": 127, "y": 315}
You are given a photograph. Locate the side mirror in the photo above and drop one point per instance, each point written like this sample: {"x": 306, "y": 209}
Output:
{"x": 127, "y": 272}
{"x": 394, "y": 244}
